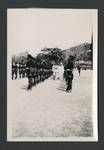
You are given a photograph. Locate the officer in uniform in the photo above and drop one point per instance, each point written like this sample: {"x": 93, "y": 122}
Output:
{"x": 20, "y": 70}
{"x": 15, "y": 69}
{"x": 23, "y": 70}
{"x": 79, "y": 69}
{"x": 68, "y": 73}
{"x": 68, "y": 78}
{"x": 29, "y": 71}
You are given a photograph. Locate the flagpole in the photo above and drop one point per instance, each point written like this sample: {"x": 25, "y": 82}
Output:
{"x": 92, "y": 47}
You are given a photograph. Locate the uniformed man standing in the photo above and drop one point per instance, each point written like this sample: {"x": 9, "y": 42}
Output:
{"x": 15, "y": 69}
{"x": 79, "y": 69}
{"x": 29, "y": 70}
{"x": 68, "y": 78}
{"x": 68, "y": 73}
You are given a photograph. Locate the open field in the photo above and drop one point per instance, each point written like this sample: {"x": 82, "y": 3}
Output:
{"x": 48, "y": 111}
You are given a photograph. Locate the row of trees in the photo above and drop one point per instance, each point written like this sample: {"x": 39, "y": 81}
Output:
{"x": 46, "y": 58}
{"x": 49, "y": 56}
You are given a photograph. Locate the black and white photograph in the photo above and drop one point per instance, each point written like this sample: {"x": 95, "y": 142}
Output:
{"x": 52, "y": 74}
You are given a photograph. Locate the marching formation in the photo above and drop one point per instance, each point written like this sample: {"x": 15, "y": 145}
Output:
{"x": 18, "y": 70}
{"x": 37, "y": 72}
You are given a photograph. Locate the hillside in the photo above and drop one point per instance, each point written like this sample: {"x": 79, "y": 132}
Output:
{"x": 81, "y": 52}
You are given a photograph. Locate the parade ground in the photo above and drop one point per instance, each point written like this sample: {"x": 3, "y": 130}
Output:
{"x": 47, "y": 110}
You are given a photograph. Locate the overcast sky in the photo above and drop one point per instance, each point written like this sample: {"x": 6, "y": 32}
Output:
{"x": 33, "y": 29}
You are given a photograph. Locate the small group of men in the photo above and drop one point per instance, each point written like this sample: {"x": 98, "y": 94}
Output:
{"x": 58, "y": 71}
{"x": 18, "y": 70}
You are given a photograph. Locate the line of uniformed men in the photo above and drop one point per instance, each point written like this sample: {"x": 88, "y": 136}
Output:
{"x": 18, "y": 70}
{"x": 35, "y": 74}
